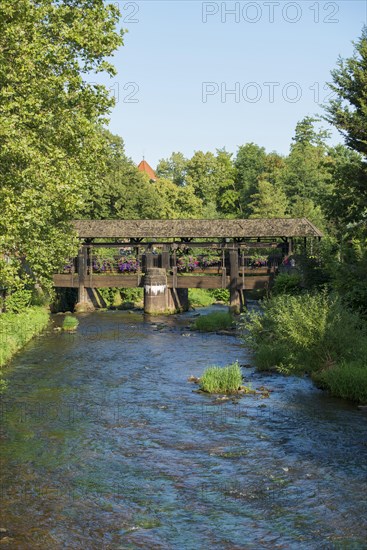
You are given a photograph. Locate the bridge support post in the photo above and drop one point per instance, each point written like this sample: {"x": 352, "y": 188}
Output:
{"x": 235, "y": 297}
{"x": 84, "y": 302}
{"x": 157, "y": 295}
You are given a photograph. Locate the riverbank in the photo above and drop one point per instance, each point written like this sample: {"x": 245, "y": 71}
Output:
{"x": 16, "y": 329}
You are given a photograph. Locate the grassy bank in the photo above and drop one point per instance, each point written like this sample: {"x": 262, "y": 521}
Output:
{"x": 16, "y": 329}
{"x": 314, "y": 334}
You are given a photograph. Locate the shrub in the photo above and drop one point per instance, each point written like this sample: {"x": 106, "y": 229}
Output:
{"x": 311, "y": 333}
{"x": 18, "y": 301}
{"x": 199, "y": 297}
{"x": 347, "y": 380}
{"x": 221, "y": 379}
{"x": 70, "y": 323}
{"x": 308, "y": 331}
{"x": 287, "y": 283}
{"x": 218, "y": 320}
{"x": 220, "y": 294}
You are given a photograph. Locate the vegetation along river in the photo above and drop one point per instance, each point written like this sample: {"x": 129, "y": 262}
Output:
{"x": 105, "y": 444}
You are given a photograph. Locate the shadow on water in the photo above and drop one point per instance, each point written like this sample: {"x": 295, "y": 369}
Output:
{"x": 106, "y": 445}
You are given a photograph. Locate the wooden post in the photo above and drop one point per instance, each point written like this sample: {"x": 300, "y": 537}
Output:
{"x": 165, "y": 258}
{"x": 149, "y": 260}
{"x": 235, "y": 300}
{"x": 81, "y": 276}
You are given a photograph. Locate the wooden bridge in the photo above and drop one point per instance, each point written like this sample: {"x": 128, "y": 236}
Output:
{"x": 159, "y": 246}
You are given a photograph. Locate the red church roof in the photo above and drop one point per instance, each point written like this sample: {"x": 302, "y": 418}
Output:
{"x": 145, "y": 167}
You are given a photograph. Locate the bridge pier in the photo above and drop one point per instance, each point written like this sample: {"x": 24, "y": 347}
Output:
{"x": 157, "y": 296}
{"x": 84, "y": 303}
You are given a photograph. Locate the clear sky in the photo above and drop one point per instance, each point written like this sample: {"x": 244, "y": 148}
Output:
{"x": 181, "y": 60}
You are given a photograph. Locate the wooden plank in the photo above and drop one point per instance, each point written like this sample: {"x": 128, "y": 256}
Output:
{"x": 256, "y": 283}
{"x": 192, "y": 281}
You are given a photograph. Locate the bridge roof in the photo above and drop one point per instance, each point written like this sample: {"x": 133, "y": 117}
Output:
{"x": 157, "y": 229}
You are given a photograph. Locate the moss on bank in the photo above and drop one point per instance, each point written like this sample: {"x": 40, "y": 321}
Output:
{"x": 16, "y": 329}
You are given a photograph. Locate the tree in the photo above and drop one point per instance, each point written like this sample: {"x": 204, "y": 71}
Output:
{"x": 348, "y": 113}
{"x": 306, "y": 172}
{"x": 173, "y": 168}
{"x": 250, "y": 164}
{"x": 51, "y": 144}
{"x": 228, "y": 199}
{"x": 268, "y": 202}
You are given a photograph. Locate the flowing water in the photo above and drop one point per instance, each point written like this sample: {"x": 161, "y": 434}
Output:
{"x": 105, "y": 444}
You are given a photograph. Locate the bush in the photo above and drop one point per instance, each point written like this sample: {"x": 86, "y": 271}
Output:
{"x": 199, "y": 297}
{"x": 18, "y": 301}
{"x": 218, "y": 320}
{"x": 287, "y": 283}
{"x": 222, "y": 379}
{"x": 348, "y": 380}
{"x": 70, "y": 323}
{"x": 220, "y": 295}
{"x": 310, "y": 333}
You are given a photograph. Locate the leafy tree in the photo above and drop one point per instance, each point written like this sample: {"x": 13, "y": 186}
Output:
{"x": 306, "y": 171}
{"x": 173, "y": 168}
{"x": 51, "y": 146}
{"x": 268, "y": 202}
{"x": 250, "y": 164}
{"x": 348, "y": 113}
{"x": 228, "y": 198}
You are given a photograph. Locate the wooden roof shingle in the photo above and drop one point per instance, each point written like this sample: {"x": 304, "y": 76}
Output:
{"x": 224, "y": 228}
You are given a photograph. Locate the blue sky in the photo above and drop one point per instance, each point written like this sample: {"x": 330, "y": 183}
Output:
{"x": 181, "y": 59}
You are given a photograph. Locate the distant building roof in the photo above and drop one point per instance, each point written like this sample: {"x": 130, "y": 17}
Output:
{"x": 145, "y": 167}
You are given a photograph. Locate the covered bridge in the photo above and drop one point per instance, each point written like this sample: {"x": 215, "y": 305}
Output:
{"x": 152, "y": 254}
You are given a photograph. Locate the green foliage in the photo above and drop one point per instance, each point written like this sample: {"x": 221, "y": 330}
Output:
{"x": 269, "y": 201}
{"x": 220, "y": 295}
{"x": 348, "y": 112}
{"x": 349, "y": 276}
{"x": 199, "y": 297}
{"x": 51, "y": 145}
{"x": 16, "y": 329}
{"x": 117, "y": 297}
{"x": 306, "y": 171}
{"x": 222, "y": 379}
{"x": 218, "y": 320}
{"x": 133, "y": 295}
{"x": 287, "y": 283}
{"x": 18, "y": 301}
{"x": 70, "y": 323}
{"x": 311, "y": 331}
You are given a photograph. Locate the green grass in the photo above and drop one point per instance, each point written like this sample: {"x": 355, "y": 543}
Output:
{"x": 70, "y": 323}
{"x": 218, "y": 320}
{"x": 221, "y": 379}
{"x": 16, "y": 329}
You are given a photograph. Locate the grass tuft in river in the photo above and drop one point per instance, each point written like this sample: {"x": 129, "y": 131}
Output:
{"x": 70, "y": 323}
{"x": 222, "y": 379}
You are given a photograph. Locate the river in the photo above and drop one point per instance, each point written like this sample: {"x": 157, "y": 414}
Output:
{"x": 106, "y": 445}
